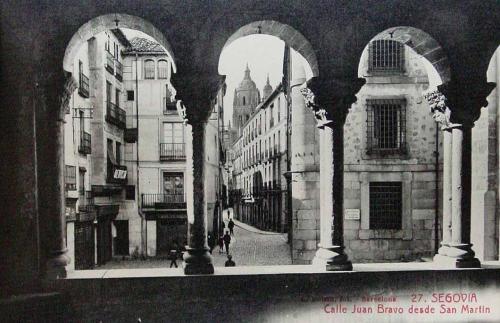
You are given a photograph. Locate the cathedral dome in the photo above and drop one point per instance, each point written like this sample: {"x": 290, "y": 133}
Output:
{"x": 247, "y": 83}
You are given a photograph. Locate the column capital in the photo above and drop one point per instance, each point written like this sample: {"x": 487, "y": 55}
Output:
{"x": 195, "y": 95}
{"x": 465, "y": 100}
{"x": 331, "y": 98}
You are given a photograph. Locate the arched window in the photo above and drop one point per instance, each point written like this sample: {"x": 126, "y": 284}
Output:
{"x": 244, "y": 101}
{"x": 162, "y": 69}
{"x": 149, "y": 69}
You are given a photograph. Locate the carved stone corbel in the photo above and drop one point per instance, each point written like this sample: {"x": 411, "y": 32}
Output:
{"x": 330, "y": 99}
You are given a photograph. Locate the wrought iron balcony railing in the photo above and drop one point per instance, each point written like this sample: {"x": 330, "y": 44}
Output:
{"x": 163, "y": 201}
{"x": 85, "y": 143}
{"x": 115, "y": 115}
{"x": 118, "y": 70}
{"x": 170, "y": 151}
{"x": 83, "y": 87}
{"x": 86, "y": 202}
{"x": 109, "y": 65}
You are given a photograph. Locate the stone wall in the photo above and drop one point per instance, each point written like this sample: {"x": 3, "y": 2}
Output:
{"x": 415, "y": 169}
{"x": 485, "y": 168}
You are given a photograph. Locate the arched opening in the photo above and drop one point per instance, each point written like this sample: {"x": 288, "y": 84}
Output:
{"x": 393, "y": 151}
{"x": 125, "y": 146}
{"x": 265, "y": 64}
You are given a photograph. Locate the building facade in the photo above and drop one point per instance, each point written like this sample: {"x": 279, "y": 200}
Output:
{"x": 126, "y": 150}
{"x": 94, "y": 153}
{"x": 259, "y": 156}
{"x": 392, "y": 159}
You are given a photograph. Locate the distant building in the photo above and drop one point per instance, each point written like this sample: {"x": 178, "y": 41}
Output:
{"x": 258, "y": 156}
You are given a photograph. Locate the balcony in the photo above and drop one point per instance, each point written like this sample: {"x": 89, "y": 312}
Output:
{"x": 163, "y": 201}
{"x": 169, "y": 107}
{"x": 85, "y": 147}
{"x": 83, "y": 87}
{"x": 119, "y": 70}
{"x": 109, "y": 65}
{"x": 117, "y": 174}
{"x": 172, "y": 152}
{"x": 115, "y": 115}
{"x": 130, "y": 135}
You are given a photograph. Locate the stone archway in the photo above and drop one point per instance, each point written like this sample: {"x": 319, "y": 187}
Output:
{"x": 58, "y": 259}
{"x": 286, "y": 33}
{"x": 112, "y": 21}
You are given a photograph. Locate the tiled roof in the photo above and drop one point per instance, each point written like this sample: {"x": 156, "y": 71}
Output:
{"x": 144, "y": 45}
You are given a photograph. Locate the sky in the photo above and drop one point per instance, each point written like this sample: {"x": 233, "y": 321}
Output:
{"x": 262, "y": 53}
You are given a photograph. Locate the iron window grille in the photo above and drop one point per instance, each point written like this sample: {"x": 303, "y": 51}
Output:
{"x": 386, "y": 126}
{"x": 386, "y": 56}
{"x": 386, "y": 205}
{"x": 70, "y": 178}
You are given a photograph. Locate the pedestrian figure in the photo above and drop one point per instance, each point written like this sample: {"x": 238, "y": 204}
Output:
{"x": 221, "y": 244}
{"x": 223, "y": 225}
{"x": 230, "y": 225}
{"x": 211, "y": 242}
{"x": 173, "y": 258}
{"x": 227, "y": 241}
{"x": 229, "y": 262}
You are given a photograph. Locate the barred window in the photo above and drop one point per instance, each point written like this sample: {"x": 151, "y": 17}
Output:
{"x": 386, "y": 56}
{"x": 386, "y": 205}
{"x": 70, "y": 178}
{"x": 386, "y": 126}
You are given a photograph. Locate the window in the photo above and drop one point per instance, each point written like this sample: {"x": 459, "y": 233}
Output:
{"x": 244, "y": 101}
{"x": 130, "y": 96}
{"x": 70, "y": 178}
{"x": 386, "y": 56}
{"x": 279, "y": 109}
{"x": 108, "y": 91}
{"x": 162, "y": 69}
{"x": 386, "y": 205}
{"x": 173, "y": 187}
{"x": 117, "y": 97}
{"x": 130, "y": 192}
{"x": 118, "y": 153}
{"x": 149, "y": 69}
{"x": 386, "y": 126}
{"x": 173, "y": 132}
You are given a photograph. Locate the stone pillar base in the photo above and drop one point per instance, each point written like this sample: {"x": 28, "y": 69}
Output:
{"x": 332, "y": 258}
{"x": 56, "y": 266}
{"x": 197, "y": 262}
{"x": 457, "y": 256}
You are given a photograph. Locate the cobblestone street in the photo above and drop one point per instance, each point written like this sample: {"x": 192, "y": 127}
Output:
{"x": 252, "y": 247}
{"x": 249, "y": 247}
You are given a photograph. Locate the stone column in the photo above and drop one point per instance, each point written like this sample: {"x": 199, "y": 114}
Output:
{"x": 55, "y": 216}
{"x": 305, "y": 179}
{"x": 460, "y": 249}
{"x": 52, "y": 198}
{"x": 330, "y": 100}
{"x": 457, "y": 106}
{"x": 447, "y": 185}
{"x": 197, "y": 259}
{"x": 331, "y": 249}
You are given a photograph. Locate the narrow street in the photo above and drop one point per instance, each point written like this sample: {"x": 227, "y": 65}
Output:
{"x": 252, "y": 247}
